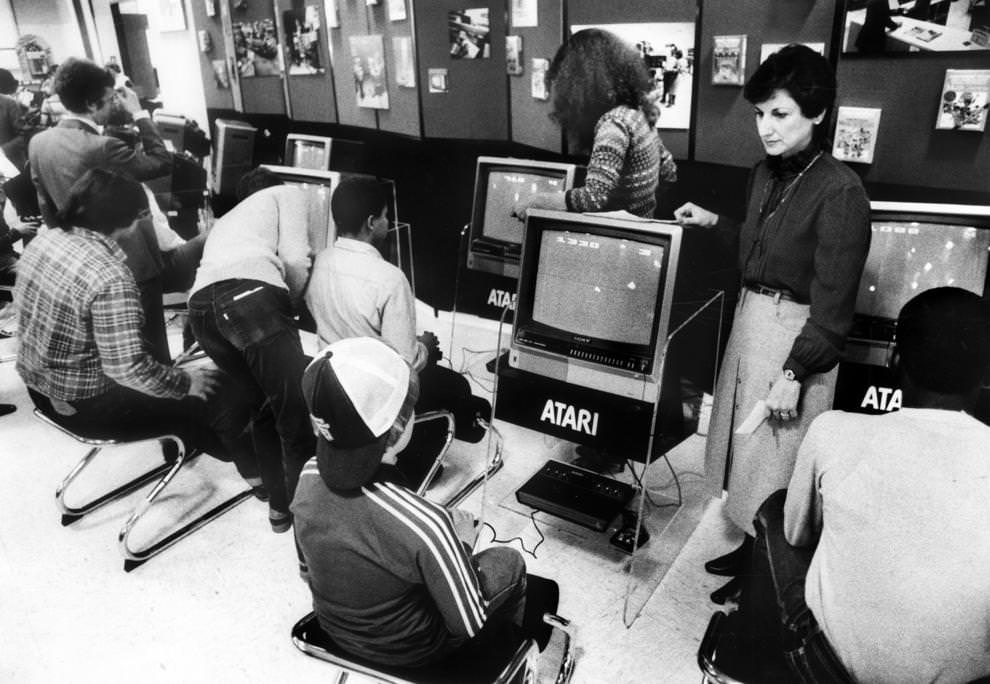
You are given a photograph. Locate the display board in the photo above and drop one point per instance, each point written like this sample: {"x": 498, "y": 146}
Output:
{"x": 399, "y": 44}
{"x": 256, "y": 40}
{"x": 214, "y": 65}
{"x": 530, "y": 123}
{"x": 306, "y": 55}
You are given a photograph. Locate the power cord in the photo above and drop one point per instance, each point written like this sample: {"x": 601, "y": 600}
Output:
{"x": 646, "y": 491}
{"x": 522, "y": 544}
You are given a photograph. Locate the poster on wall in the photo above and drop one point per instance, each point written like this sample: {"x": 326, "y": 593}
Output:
{"x": 368, "y": 64}
{"x": 538, "y": 79}
{"x": 171, "y": 15}
{"x": 668, "y": 50}
{"x": 525, "y": 13}
{"x": 513, "y": 55}
{"x": 396, "y": 10}
{"x": 468, "y": 31}
{"x": 302, "y": 40}
{"x": 405, "y": 65}
{"x": 767, "y": 49}
{"x": 965, "y": 100}
{"x": 913, "y": 27}
{"x": 729, "y": 60}
{"x": 333, "y": 16}
{"x": 438, "y": 80}
{"x": 256, "y": 48}
{"x": 856, "y": 134}
{"x": 220, "y": 74}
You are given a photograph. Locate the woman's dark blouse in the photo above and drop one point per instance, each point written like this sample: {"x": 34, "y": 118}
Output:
{"x": 814, "y": 245}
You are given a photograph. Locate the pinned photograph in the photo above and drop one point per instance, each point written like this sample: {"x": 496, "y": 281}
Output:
{"x": 333, "y": 16}
{"x": 220, "y": 74}
{"x": 368, "y": 67}
{"x": 468, "y": 31}
{"x": 856, "y": 134}
{"x": 913, "y": 27}
{"x": 438, "y": 80}
{"x": 396, "y": 10}
{"x": 965, "y": 100}
{"x": 538, "y": 82}
{"x": 729, "y": 60}
{"x": 256, "y": 48}
{"x": 302, "y": 38}
{"x": 513, "y": 55}
{"x": 525, "y": 13}
{"x": 405, "y": 65}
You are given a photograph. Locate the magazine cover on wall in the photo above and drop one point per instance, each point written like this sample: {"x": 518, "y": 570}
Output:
{"x": 668, "y": 49}
{"x": 302, "y": 39}
{"x": 729, "y": 60}
{"x": 368, "y": 63}
{"x": 256, "y": 48}
{"x": 437, "y": 80}
{"x": 914, "y": 26}
{"x": 856, "y": 134}
{"x": 965, "y": 100}
{"x": 513, "y": 55}
{"x": 405, "y": 65}
{"x": 468, "y": 31}
{"x": 538, "y": 79}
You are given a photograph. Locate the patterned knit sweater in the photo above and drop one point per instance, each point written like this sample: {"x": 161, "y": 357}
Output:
{"x": 627, "y": 162}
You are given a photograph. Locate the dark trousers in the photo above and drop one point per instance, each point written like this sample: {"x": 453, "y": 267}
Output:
{"x": 247, "y": 328}
{"x": 773, "y": 605}
{"x": 216, "y": 427}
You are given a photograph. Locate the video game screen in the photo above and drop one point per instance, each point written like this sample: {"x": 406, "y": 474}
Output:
{"x": 504, "y": 188}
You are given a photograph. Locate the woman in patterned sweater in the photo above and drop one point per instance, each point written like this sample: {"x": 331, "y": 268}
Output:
{"x": 601, "y": 98}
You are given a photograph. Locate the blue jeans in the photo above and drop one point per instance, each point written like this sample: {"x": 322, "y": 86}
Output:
{"x": 247, "y": 328}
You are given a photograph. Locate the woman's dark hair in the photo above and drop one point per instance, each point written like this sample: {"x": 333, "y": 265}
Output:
{"x": 8, "y": 84}
{"x": 103, "y": 201}
{"x": 591, "y": 73}
{"x": 803, "y": 73}
{"x": 354, "y": 200}
{"x": 255, "y": 180}
{"x": 78, "y": 82}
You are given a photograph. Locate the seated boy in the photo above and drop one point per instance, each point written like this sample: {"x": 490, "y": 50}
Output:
{"x": 390, "y": 571}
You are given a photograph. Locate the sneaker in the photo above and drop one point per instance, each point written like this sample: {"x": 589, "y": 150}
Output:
{"x": 257, "y": 488}
{"x": 279, "y": 520}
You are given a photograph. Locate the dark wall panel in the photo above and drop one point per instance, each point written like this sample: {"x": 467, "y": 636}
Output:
{"x": 909, "y": 150}
{"x": 310, "y": 96}
{"x": 216, "y": 97}
{"x": 640, "y": 11}
{"x": 261, "y": 94}
{"x": 402, "y": 116}
{"x": 530, "y": 122}
{"x": 476, "y": 104}
{"x": 353, "y": 22}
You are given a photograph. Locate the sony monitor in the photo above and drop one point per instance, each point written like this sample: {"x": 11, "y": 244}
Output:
{"x": 595, "y": 300}
{"x": 916, "y": 247}
{"x": 495, "y": 234}
{"x": 308, "y": 151}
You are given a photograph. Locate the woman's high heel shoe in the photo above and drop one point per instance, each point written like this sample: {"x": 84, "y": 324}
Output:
{"x": 733, "y": 563}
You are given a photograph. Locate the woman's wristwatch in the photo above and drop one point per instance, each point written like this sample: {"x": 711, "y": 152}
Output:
{"x": 789, "y": 375}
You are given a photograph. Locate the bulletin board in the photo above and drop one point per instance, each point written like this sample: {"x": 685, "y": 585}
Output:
{"x": 261, "y": 94}
{"x": 309, "y": 76}
{"x": 402, "y": 115}
{"x": 530, "y": 123}
{"x": 595, "y": 12}
{"x": 475, "y": 105}
{"x": 353, "y": 19}
{"x": 724, "y": 128}
{"x": 214, "y": 65}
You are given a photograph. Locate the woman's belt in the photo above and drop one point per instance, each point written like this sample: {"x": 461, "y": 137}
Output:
{"x": 777, "y": 293}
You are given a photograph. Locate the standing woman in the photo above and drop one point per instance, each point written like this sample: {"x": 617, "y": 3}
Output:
{"x": 601, "y": 93}
{"x": 801, "y": 252}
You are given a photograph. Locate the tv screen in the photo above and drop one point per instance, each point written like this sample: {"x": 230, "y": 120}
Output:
{"x": 505, "y": 186}
{"x": 307, "y": 154}
{"x": 598, "y": 286}
{"x": 907, "y": 257}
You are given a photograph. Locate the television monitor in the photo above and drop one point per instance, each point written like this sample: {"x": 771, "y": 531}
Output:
{"x": 495, "y": 234}
{"x": 322, "y": 153}
{"x": 234, "y": 154}
{"x": 172, "y": 128}
{"x": 915, "y": 247}
{"x": 595, "y": 300}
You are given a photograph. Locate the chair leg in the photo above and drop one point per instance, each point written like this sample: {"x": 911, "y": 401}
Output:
{"x": 136, "y": 557}
{"x": 491, "y": 469}
{"x": 72, "y": 513}
{"x": 438, "y": 461}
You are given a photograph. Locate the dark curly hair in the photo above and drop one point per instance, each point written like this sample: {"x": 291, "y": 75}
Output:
{"x": 803, "y": 73}
{"x": 79, "y": 82}
{"x": 8, "y": 84}
{"x": 103, "y": 201}
{"x": 591, "y": 73}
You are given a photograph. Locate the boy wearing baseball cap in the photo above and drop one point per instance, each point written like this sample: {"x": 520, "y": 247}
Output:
{"x": 391, "y": 574}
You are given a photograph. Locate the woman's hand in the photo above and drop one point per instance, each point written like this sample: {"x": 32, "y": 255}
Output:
{"x": 783, "y": 399}
{"x": 539, "y": 200}
{"x": 690, "y": 214}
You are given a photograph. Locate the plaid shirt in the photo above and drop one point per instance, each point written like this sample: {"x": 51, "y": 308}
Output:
{"x": 80, "y": 319}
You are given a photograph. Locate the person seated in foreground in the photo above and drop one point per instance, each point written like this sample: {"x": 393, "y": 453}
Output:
{"x": 242, "y": 311}
{"x": 390, "y": 571}
{"x": 81, "y": 354}
{"x": 353, "y": 291}
{"x": 895, "y": 509}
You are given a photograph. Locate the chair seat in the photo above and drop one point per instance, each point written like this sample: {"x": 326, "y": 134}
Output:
{"x": 481, "y": 663}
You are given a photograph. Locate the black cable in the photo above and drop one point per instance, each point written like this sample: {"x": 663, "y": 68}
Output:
{"x": 522, "y": 544}
{"x": 646, "y": 491}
